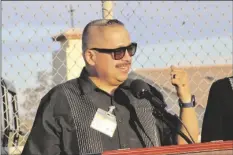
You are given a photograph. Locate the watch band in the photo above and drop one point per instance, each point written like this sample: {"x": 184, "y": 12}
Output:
{"x": 188, "y": 105}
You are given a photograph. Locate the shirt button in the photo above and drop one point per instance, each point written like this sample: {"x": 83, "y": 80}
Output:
{"x": 120, "y": 120}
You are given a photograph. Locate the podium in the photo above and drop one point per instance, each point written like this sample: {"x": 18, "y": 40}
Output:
{"x": 210, "y": 148}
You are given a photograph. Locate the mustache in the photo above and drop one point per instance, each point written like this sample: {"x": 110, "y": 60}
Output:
{"x": 126, "y": 64}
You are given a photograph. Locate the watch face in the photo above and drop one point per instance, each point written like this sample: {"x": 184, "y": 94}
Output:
{"x": 187, "y": 105}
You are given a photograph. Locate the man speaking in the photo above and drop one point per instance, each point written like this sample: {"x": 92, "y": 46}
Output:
{"x": 97, "y": 111}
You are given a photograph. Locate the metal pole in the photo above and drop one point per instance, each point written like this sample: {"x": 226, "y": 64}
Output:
{"x": 107, "y": 9}
{"x": 72, "y": 16}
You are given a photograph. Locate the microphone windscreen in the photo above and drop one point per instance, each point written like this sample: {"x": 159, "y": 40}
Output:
{"x": 137, "y": 88}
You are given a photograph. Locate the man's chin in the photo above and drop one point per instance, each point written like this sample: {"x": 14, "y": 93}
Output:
{"x": 122, "y": 78}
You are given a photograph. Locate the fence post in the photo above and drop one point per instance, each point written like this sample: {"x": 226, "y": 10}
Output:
{"x": 107, "y": 9}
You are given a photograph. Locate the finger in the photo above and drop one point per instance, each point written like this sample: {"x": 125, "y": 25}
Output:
{"x": 173, "y": 67}
{"x": 179, "y": 81}
{"x": 178, "y": 71}
{"x": 177, "y": 75}
{"x": 180, "y": 77}
{"x": 178, "y": 84}
{"x": 175, "y": 84}
{"x": 174, "y": 75}
{"x": 175, "y": 80}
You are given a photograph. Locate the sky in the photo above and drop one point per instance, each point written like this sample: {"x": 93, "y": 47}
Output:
{"x": 180, "y": 33}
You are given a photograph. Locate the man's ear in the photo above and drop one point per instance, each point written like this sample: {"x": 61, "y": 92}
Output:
{"x": 90, "y": 57}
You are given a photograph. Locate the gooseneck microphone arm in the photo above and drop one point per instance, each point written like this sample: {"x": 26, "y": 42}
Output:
{"x": 163, "y": 115}
{"x": 160, "y": 112}
{"x": 141, "y": 90}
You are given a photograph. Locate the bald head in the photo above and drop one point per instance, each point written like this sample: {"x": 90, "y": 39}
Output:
{"x": 94, "y": 31}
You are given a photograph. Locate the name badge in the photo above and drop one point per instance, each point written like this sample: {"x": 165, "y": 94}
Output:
{"x": 104, "y": 122}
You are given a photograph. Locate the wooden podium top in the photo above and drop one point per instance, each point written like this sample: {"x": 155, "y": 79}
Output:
{"x": 210, "y": 148}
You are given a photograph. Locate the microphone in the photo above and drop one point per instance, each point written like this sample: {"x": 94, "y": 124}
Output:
{"x": 141, "y": 89}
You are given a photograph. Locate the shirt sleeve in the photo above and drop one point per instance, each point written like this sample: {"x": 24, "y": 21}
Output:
{"x": 44, "y": 136}
{"x": 212, "y": 121}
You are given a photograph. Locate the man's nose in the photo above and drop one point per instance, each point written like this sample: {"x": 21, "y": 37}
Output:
{"x": 127, "y": 56}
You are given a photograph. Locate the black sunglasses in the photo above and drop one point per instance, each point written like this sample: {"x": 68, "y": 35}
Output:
{"x": 119, "y": 53}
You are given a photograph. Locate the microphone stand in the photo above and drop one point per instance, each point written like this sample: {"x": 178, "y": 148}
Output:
{"x": 166, "y": 117}
{"x": 160, "y": 112}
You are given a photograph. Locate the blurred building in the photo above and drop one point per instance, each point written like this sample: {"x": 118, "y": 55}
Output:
{"x": 68, "y": 61}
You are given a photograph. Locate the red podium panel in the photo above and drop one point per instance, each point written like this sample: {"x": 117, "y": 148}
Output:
{"x": 210, "y": 148}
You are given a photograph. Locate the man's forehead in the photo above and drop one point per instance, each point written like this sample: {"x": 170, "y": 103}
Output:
{"x": 101, "y": 28}
{"x": 107, "y": 34}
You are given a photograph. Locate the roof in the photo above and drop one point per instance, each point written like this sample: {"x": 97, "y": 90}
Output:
{"x": 201, "y": 78}
{"x": 73, "y": 33}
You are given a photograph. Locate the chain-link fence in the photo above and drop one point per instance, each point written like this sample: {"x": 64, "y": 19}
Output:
{"x": 41, "y": 47}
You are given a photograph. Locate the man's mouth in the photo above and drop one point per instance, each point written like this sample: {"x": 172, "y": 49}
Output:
{"x": 124, "y": 67}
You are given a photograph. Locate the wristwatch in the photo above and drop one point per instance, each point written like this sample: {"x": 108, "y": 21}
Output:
{"x": 188, "y": 105}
